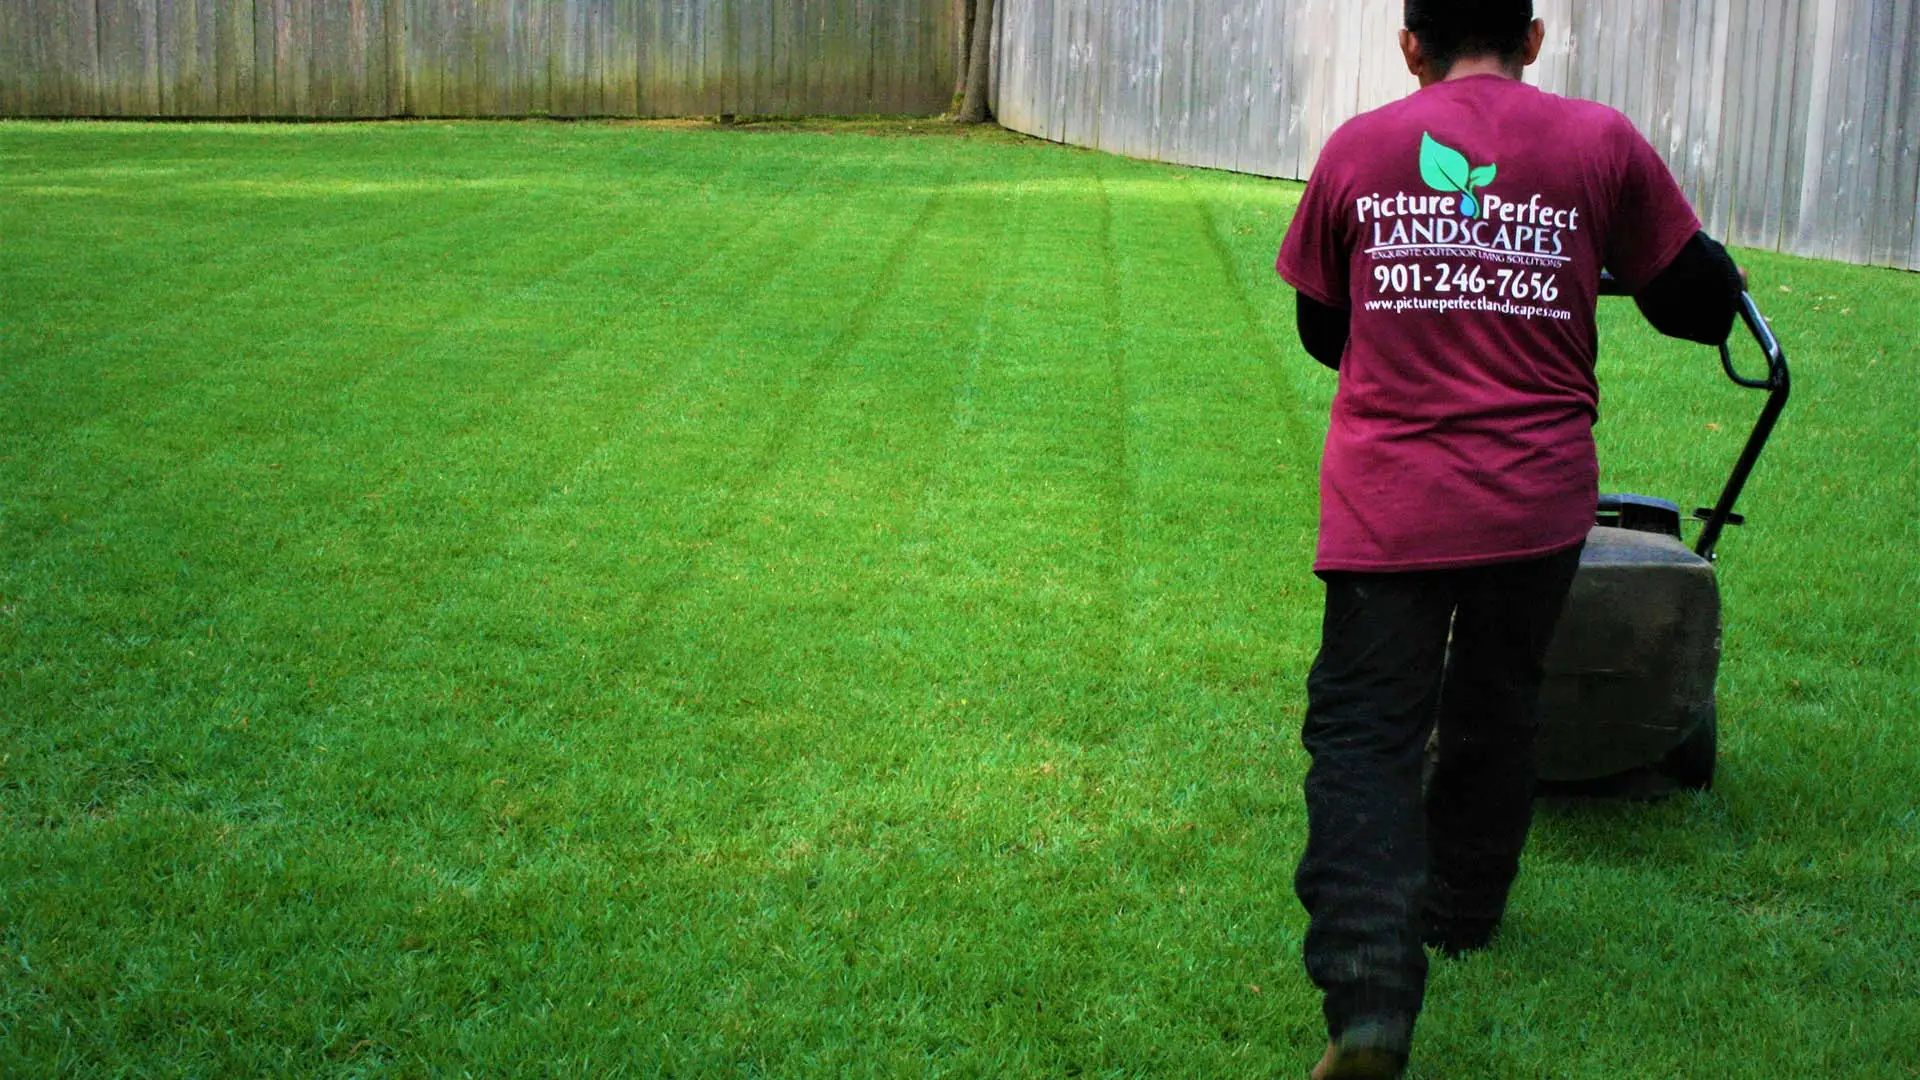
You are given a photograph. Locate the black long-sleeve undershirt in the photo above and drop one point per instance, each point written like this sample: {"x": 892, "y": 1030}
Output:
{"x": 1695, "y": 297}
{"x": 1323, "y": 329}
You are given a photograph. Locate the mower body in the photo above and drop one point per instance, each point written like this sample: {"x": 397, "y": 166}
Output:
{"x": 1627, "y": 704}
{"x": 1630, "y": 674}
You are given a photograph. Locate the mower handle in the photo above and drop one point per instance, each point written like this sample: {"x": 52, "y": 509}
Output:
{"x": 1778, "y": 385}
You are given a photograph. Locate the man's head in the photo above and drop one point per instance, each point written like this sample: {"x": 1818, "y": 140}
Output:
{"x": 1486, "y": 35}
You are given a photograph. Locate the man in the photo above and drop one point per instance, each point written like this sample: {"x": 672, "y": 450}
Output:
{"x": 1447, "y": 255}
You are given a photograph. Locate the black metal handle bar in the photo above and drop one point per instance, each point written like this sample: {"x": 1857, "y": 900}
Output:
{"x": 1778, "y": 384}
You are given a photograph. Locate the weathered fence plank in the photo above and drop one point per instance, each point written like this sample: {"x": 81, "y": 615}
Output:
{"x": 129, "y": 66}
{"x": 292, "y": 81}
{"x": 741, "y": 45}
{"x": 1899, "y": 166}
{"x": 22, "y": 48}
{"x": 1792, "y": 124}
{"x": 177, "y": 58}
{"x": 19, "y": 66}
{"x": 233, "y": 58}
{"x": 1904, "y": 239}
{"x": 259, "y": 37}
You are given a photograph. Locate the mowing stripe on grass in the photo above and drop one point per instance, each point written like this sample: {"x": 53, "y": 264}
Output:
{"x": 1285, "y": 404}
{"x": 797, "y": 406}
{"x": 1120, "y": 502}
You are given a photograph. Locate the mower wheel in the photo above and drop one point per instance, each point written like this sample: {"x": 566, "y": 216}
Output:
{"x": 1690, "y": 764}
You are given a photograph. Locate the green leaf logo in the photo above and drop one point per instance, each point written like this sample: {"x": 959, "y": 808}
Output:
{"x": 1446, "y": 169}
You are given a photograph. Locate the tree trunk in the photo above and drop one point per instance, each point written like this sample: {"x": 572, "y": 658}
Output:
{"x": 966, "y": 52}
{"x": 974, "y": 109}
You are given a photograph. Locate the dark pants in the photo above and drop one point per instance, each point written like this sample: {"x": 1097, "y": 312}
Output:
{"x": 1378, "y": 853}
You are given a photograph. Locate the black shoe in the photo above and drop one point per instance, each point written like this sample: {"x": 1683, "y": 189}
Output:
{"x": 1368, "y": 1050}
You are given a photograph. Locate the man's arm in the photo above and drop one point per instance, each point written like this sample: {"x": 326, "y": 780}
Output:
{"x": 1315, "y": 256}
{"x": 1323, "y": 329}
{"x": 1695, "y": 297}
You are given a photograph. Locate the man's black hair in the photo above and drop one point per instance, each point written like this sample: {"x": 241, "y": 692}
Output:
{"x": 1451, "y": 29}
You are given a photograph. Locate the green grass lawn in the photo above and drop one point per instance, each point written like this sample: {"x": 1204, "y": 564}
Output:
{"x": 618, "y": 600}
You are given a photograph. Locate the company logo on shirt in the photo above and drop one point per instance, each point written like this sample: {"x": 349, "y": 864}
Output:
{"x": 1446, "y": 169}
{"x": 1464, "y": 220}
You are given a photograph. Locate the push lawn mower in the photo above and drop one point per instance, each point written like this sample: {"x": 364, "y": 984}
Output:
{"x": 1628, "y": 704}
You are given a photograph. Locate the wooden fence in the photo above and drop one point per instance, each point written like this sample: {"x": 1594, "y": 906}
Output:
{"x": 378, "y": 58}
{"x": 1793, "y": 124}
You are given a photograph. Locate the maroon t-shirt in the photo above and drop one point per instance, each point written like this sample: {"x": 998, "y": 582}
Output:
{"x": 1465, "y": 227}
